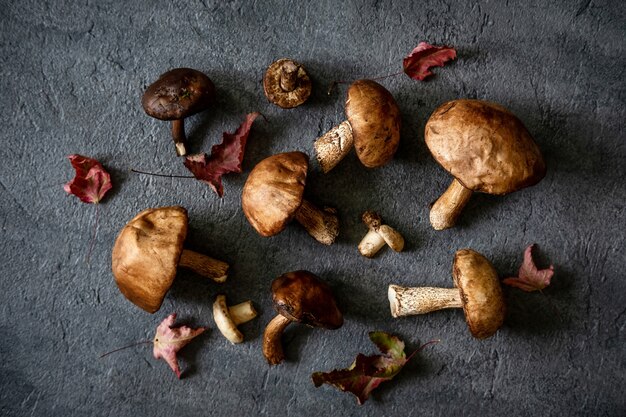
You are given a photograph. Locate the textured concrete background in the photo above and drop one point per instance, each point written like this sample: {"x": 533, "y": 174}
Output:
{"x": 72, "y": 73}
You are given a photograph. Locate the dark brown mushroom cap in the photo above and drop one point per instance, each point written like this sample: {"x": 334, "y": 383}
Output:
{"x": 177, "y": 94}
{"x": 484, "y": 146}
{"x": 273, "y": 191}
{"x": 275, "y": 92}
{"x": 481, "y": 293}
{"x": 303, "y": 297}
{"x": 375, "y": 120}
{"x": 146, "y": 254}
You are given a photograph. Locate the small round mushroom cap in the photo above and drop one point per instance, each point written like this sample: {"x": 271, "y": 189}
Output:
{"x": 484, "y": 146}
{"x": 303, "y": 297}
{"x": 177, "y": 94}
{"x": 273, "y": 191}
{"x": 146, "y": 254}
{"x": 375, "y": 120}
{"x": 481, "y": 293}
{"x": 275, "y": 92}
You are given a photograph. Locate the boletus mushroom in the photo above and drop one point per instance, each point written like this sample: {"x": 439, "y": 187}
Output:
{"x": 177, "y": 94}
{"x": 148, "y": 251}
{"x": 228, "y": 318}
{"x": 477, "y": 290}
{"x": 372, "y": 127}
{"x": 486, "y": 148}
{"x": 273, "y": 195}
{"x": 286, "y": 83}
{"x": 301, "y": 297}
{"x": 378, "y": 235}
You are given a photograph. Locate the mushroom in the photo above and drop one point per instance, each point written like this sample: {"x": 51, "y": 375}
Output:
{"x": 373, "y": 127}
{"x": 486, "y": 148}
{"x": 286, "y": 83}
{"x": 302, "y": 297}
{"x": 149, "y": 249}
{"x": 177, "y": 94}
{"x": 273, "y": 195}
{"x": 378, "y": 235}
{"x": 228, "y": 318}
{"x": 477, "y": 290}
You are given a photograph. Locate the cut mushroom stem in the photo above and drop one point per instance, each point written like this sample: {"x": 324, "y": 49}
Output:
{"x": 228, "y": 318}
{"x": 406, "y": 301}
{"x": 334, "y": 145}
{"x": 447, "y": 209}
{"x": 272, "y": 343}
{"x": 289, "y": 76}
{"x": 323, "y": 225}
{"x": 178, "y": 134}
{"x": 378, "y": 235}
{"x": 204, "y": 265}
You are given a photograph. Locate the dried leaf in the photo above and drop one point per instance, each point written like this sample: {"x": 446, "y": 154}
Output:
{"x": 418, "y": 63}
{"x": 169, "y": 340}
{"x": 91, "y": 182}
{"x": 225, "y": 157}
{"x": 529, "y": 277}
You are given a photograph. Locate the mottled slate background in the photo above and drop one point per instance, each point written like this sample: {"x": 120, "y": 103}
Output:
{"x": 72, "y": 73}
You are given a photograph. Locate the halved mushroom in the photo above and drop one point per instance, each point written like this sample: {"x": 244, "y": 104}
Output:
{"x": 486, "y": 148}
{"x": 228, "y": 318}
{"x": 477, "y": 291}
{"x": 273, "y": 195}
{"x": 378, "y": 235}
{"x": 373, "y": 127}
{"x": 177, "y": 94}
{"x": 286, "y": 83}
{"x": 148, "y": 251}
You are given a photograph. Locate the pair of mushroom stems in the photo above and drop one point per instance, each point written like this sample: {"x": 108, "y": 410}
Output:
{"x": 378, "y": 236}
{"x": 179, "y": 136}
{"x": 447, "y": 209}
{"x": 228, "y": 318}
{"x": 408, "y": 301}
{"x": 322, "y": 224}
{"x": 204, "y": 265}
{"x": 334, "y": 145}
{"x": 272, "y": 343}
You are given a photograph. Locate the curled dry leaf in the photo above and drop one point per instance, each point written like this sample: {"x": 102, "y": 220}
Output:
{"x": 91, "y": 182}
{"x": 225, "y": 157}
{"x": 169, "y": 340}
{"x": 529, "y": 278}
{"x": 418, "y": 63}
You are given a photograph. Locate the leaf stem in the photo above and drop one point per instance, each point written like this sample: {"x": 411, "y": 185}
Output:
{"x": 143, "y": 342}
{"x": 136, "y": 171}
{"x": 93, "y": 236}
{"x": 432, "y": 342}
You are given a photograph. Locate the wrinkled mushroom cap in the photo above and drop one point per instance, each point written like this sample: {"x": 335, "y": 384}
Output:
{"x": 375, "y": 120}
{"x": 481, "y": 293}
{"x": 484, "y": 146}
{"x": 146, "y": 254}
{"x": 273, "y": 191}
{"x": 303, "y": 297}
{"x": 177, "y": 94}
{"x": 274, "y": 91}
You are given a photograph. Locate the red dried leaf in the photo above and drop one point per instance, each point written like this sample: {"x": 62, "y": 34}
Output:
{"x": 91, "y": 182}
{"x": 225, "y": 157}
{"x": 169, "y": 340}
{"x": 418, "y": 63}
{"x": 529, "y": 277}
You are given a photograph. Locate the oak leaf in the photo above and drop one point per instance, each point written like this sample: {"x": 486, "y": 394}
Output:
{"x": 529, "y": 278}
{"x": 169, "y": 340}
{"x": 91, "y": 182}
{"x": 418, "y": 63}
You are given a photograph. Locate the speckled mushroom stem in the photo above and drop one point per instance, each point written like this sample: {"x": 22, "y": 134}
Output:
{"x": 178, "y": 134}
{"x": 204, "y": 265}
{"x": 447, "y": 209}
{"x": 323, "y": 225}
{"x": 272, "y": 343}
{"x": 289, "y": 76}
{"x": 407, "y": 301}
{"x": 334, "y": 145}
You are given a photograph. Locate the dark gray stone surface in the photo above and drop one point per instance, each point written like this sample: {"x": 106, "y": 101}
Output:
{"x": 72, "y": 73}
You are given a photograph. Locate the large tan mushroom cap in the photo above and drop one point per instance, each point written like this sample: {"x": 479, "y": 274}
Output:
{"x": 484, "y": 146}
{"x": 273, "y": 191}
{"x": 481, "y": 293}
{"x": 375, "y": 120}
{"x": 146, "y": 255}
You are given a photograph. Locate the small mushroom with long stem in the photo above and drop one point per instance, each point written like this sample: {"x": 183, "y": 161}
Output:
{"x": 378, "y": 235}
{"x": 286, "y": 83}
{"x": 486, "y": 148}
{"x": 302, "y": 297}
{"x": 228, "y": 318}
{"x": 477, "y": 290}
{"x": 273, "y": 195}
{"x": 372, "y": 127}
{"x": 148, "y": 251}
{"x": 177, "y": 94}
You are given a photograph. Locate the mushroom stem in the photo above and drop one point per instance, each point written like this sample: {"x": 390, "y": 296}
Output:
{"x": 371, "y": 243}
{"x": 334, "y": 145}
{"x": 242, "y": 312}
{"x": 272, "y": 343}
{"x": 406, "y": 301}
{"x": 178, "y": 134}
{"x": 289, "y": 76}
{"x": 204, "y": 265}
{"x": 323, "y": 225}
{"x": 447, "y": 209}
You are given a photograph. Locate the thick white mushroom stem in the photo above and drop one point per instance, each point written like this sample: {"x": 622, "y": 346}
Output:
{"x": 407, "y": 301}
{"x": 242, "y": 312}
{"x": 204, "y": 265}
{"x": 371, "y": 243}
{"x": 228, "y": 318}
{"x": 178, "y": 134}
{"x": 447, "y": 209}
{"x": 289, "y": 76}
{"x": 323, "y": 225}
{"x": 334, "y": 145}
{"x": 272, "y": 343}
